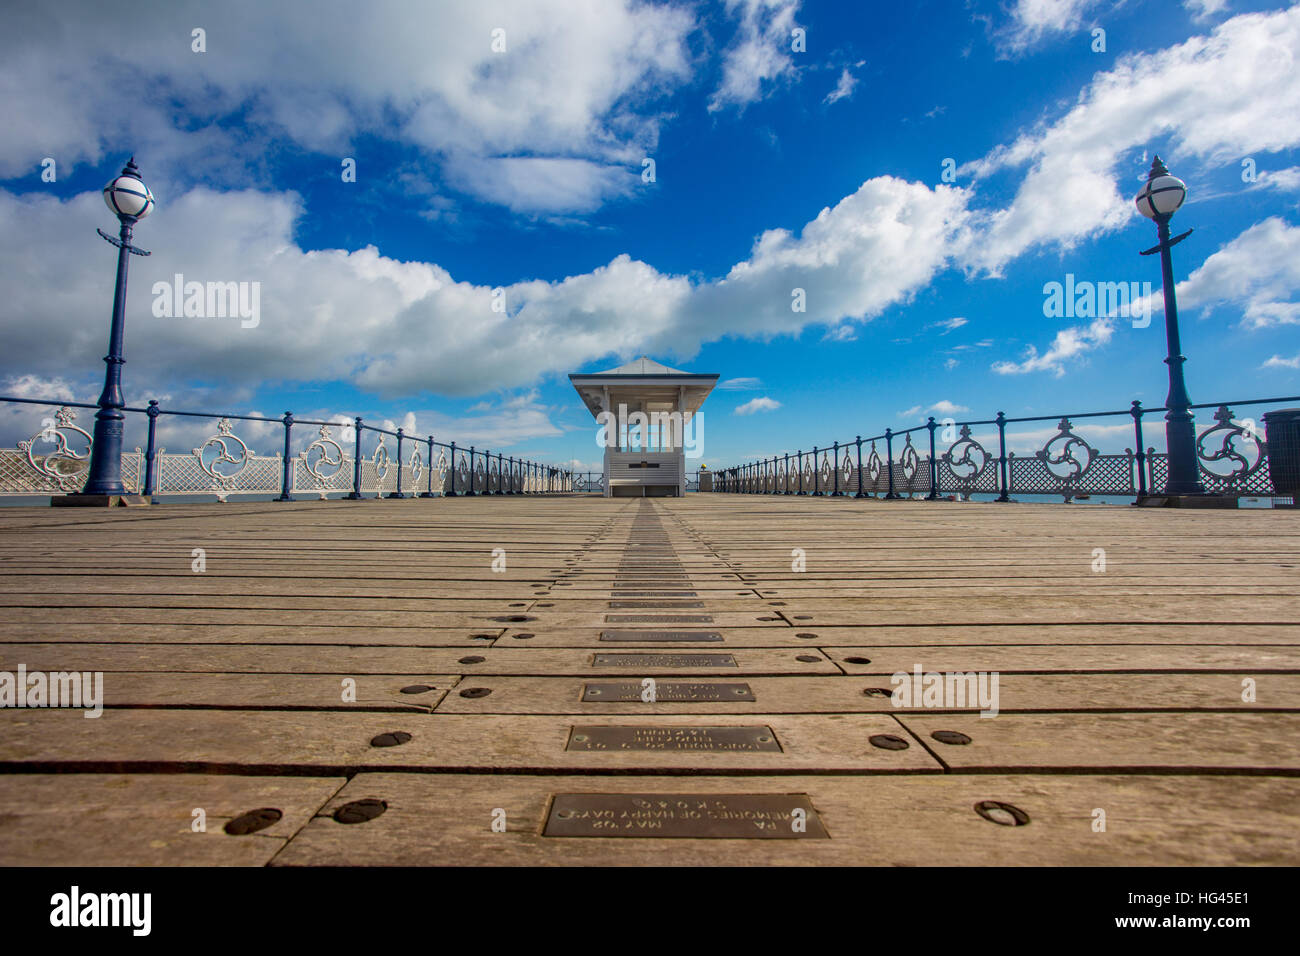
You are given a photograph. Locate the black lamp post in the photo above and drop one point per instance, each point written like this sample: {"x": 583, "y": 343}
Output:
{"x": 1159, "y": 199}
{"x": 130, "y": 200}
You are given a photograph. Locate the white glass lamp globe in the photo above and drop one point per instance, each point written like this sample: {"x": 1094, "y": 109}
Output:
{"x": 1161, "y": 195}
{"x": 127, "y": 195}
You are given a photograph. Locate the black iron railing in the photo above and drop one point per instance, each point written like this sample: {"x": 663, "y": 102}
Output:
{"x": 54, "y": 460}
{"x": 1232, "y": 455}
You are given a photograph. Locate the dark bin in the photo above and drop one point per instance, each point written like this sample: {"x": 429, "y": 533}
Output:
{"x": 1282, "y": 433}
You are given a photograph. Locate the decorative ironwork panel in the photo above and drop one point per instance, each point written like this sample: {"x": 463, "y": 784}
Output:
{"x": 322, "y": 466}
{"x": 60, "y": 468}
{"x": 913, "y": 471}
{"x": 966, "y": 466}
{"x": 186, "y": 475}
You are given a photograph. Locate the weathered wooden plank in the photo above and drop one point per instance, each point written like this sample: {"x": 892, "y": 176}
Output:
{"x": 330, "y": 743}
{"x": 315, "y": 659}
{"x": 881, "y": 821}
{"x": 247, "y": 633}
{"x": 1022, "y": 658}
{"x": 417, "y": 693}
{"x": 1256, "y": 743}
{"x": 792, "y": 695}
{"x": 971, "y": 634}
{"x": 148, "y": 819}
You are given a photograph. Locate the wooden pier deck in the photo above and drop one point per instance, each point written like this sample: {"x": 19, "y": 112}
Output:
{"x": 497, "y": 649}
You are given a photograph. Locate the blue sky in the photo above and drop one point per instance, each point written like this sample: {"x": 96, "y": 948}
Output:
{"x": 775, "y": 169}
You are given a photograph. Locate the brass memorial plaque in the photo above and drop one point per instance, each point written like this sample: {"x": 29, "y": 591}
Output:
{"x": 757, "y": 816}
{"x": 650, "y": 594}
{"x": 655, "y": 604}
{"x": 664, "y": 660}
{"x": 648, "y": 636}
{"x": 666, "y": 692}
{"x": 658, "y": 619}
{"x": 694, "y": 739}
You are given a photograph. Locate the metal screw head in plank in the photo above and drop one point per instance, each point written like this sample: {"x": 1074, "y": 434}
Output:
{"x": 472, "y": 659}
{"x": 950, "y": 737}
{"x": 857, "y": 660}
{"x": 417, "y": 688}
{"x": 806, "y": 636}
{"x": 473, "y": 692}
{"x": 878, "y": 692}
{"x": 394, "y": 739}
{"x": 360, "y": 811}
{"x": 252, "y": 821}
{"x": 1003, "y": 814}
{"x": 888, "y": 742}
{"x": 523, "y": 637}
{"x": 807, "y": 658}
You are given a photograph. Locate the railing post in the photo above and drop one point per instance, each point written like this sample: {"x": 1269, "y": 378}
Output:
{"x": 1136, "y": 412}
{"x": 1004, "y": 473}
{"x": 356, "y": 465}
{"x": 799, "y": 466}
{"x": 470, "y": 492}
{"x": 817, "y": 478}
{"x": 452, "y": 493}
{"x": 934, "y": 465}
{"x": 889, "y": 455}
{"x": 398, "y": 492}
{"x": 487, "y": 471}
{"x": 286, "y": 486}
{"x": 150, "y": 451}
{"x": 785, "y": 474}
{"x": 858, "y": 459}
{"x": 501, "y": 475}
{"x": 429, "y": 492}
{"x": 836, "y": 493}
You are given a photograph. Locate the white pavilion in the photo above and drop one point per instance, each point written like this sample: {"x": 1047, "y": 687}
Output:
{"x": 648, "y": 416}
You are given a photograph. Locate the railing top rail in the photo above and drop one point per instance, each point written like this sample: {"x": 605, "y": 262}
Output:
{"x": 1056, "y": 418}
{"x": 42, "y": 401}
